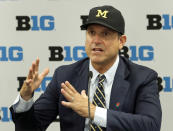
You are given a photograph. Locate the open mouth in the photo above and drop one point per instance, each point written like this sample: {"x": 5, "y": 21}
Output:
{"x": 97, "y": 49}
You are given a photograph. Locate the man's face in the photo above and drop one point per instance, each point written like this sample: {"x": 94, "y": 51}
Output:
{"x": 102, "y": 44}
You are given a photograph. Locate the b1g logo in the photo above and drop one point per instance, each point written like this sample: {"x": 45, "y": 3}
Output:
{"x": 67, "y": 53}
{"x": 134, "y": 53}
{"x": 5, "y": 115}
{"x": 35, "y": 23}
{"x": 157, "y": 22}
{"x": 13, "y": 53}
{"x": 84, "y": 19}
{"x": 168, "y": 83}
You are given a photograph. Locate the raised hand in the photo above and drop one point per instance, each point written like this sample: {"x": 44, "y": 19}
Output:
{"x": 33, "y": 80}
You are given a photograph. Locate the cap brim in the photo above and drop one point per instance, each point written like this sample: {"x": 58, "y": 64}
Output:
{"x": 84, "y": 26}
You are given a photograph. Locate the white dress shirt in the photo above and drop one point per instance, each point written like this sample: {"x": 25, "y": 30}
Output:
{"x": 100, "y": 117}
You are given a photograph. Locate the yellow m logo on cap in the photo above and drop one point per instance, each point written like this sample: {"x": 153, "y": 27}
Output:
{"x": 102, "y": 14}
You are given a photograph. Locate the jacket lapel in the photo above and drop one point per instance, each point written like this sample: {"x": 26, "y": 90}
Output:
{"x": 82, "y": 77}
{"x": 82, "y": 84}
{"x": 120, "y": 87}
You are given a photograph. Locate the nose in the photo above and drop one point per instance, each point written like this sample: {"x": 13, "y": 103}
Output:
{"x": 97, "y": 39}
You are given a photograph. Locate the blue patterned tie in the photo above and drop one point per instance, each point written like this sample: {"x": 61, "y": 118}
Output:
{"x": 99, "y": 100}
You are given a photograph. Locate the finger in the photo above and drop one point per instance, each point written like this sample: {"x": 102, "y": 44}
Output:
{"x": 43, "y": 74}
{"x": 83, "y": 93}
{"x": 37, "y": 64}
{"x": 67, "y": 89}
{"x": 70, "y": 87}
{"x": 33, "y": 67}
{"x": 27, "y": 82}
{"x": 67, "y": 95}
{"x": 30, "y": 74}
{"x": 66, "y": 104}
{"x": 35, "y": 76}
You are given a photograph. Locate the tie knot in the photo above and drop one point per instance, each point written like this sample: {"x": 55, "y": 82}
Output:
{"x": 101, "y": 78}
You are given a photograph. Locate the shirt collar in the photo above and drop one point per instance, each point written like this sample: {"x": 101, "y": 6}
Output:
{"x": 95, "y": 73}
{"x": 109, "y": 74}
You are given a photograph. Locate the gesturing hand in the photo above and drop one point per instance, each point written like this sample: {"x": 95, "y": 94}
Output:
{"x": 77, "y": 102}
{"x": 33, "y": 80}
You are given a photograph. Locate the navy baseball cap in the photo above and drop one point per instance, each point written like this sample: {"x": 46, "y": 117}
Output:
{"x": 107, "y": 16}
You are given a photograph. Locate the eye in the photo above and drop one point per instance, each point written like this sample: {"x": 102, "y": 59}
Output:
{"x": 91, "y": 32}
{"x": 105, "y": 33}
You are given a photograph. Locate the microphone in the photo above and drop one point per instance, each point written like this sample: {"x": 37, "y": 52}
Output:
{"x": 90, "y": 75}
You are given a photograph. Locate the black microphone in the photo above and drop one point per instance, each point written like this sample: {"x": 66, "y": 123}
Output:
{"x": 90, "y": 75}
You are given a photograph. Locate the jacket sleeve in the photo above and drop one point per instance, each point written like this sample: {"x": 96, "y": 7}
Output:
{"x": 43, "y": 111}
{"x": 147, "y": 114}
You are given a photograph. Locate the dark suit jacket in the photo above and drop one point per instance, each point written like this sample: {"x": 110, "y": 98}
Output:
{"x": 134, "y": 101}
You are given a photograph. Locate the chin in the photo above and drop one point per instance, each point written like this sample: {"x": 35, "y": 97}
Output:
{"x": 97, "y": 60}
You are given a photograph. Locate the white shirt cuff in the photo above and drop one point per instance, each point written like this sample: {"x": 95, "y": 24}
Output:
{"x": 20, "y": 105}
{"x": 100, "y": 116}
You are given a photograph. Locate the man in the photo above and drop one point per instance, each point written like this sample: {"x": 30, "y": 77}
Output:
{"x": 124, "y": 96}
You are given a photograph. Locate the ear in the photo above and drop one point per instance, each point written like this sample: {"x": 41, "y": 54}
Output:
{"x": 122, "y": 40}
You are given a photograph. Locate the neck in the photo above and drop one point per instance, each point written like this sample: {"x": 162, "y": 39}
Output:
{"x": 103, "y": 67}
